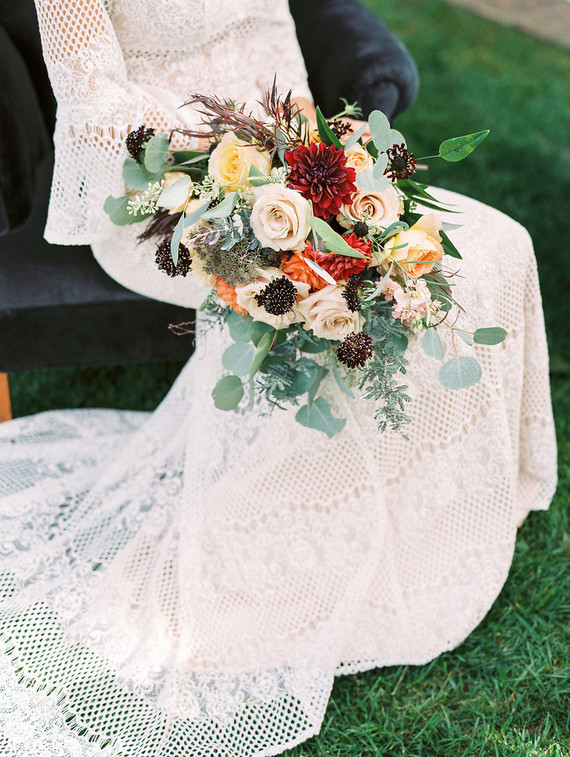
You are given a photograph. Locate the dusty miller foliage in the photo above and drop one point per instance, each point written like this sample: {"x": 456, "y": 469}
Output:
{"x": 378, "y": 379}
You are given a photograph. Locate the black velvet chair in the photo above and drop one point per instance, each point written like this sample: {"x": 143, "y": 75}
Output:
{"x": 57, "y": 306}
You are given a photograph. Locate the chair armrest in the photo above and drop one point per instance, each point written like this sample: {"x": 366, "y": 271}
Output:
{"x": 350, "y": 53}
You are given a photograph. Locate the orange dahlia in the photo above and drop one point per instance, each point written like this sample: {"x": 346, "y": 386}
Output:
{"x": 342, "y": 266}
{"x": 228, "y": 294}
{"x": 298, "y": 270}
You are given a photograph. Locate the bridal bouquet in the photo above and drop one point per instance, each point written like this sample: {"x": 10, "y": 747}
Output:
{"x": 311, "y": 249}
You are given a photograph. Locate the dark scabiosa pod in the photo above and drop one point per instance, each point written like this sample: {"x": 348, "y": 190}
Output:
{"x": 355, "y": 349}
{"x": 163, "y": 259}
{"x": 137, "y": 139}
{"x": 401, "y": 163}
{"x": 278, "y": 297}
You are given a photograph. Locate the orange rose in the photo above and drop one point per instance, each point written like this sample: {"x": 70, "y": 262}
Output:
{"x": 417, "y": 249}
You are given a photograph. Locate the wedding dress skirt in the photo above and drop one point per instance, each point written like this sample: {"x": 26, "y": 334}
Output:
{"x": 189, "y": 582}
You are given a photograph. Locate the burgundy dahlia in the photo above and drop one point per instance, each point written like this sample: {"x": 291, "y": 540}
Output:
{"x": 355, "y": 349}
{"x": 319, "y": 172}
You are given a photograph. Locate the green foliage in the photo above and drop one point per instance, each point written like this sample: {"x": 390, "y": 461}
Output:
{"x": 378, "y": 379}
{"x": 457, "y": 148}
{"x": 326, "y": 134}
{"x": 318, "y": 415}
{"x": 227, "y": 393}
{"x": 155, "y": 153}
{"x": 492, "y": 335}
{"x": 460, "y": 372}
{"x": 116, "y": 209}
{"x": 432, "y": 345}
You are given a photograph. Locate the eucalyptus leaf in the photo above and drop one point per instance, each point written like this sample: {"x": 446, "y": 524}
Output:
{"x": 457, "y": 148}
{"x": 451, "y": 226}
{"x": 194, "y": 217}
{"x": 397, "y": 137}
{"x": 116, "y": 209}
{"x": 464, "y": 336}
{"x": 155, "y": 153}
{"x": 176, "y": 238}
{"x": 339, "y": 380}
{"x": 394, "y": 228}
{"x": 333, "y": 241}
{"x": 223, "y": 209}
{"x": 326, "y": 134}
{"x": 353, "y": 139}
{"x": 379, "y": 167}
{"x": 319, "y": 417}
{"x": 492, "y": 335}
{"x": 227, "y": 392}
{"x": 321, "y": 373}
{"x": 432, "y": 345}
{"x": 305, "y": 374}
{"x": 259, "y": 328}
{"x": 238, "y": 358}
{"x": 176, "y": 194}
{"x": 313, "y": 345}
{"x": 320, "y": 271}
{"x": 366, "y": 181}
{"x": 263, "y": 347}
{"x": 460, "y": 372}
{"x": 240, "y": 326}
{"x": 136, "y": 175}
{"x": 380, "y": 130}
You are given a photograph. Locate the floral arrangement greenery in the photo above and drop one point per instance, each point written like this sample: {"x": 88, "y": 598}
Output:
{"x": 311, "y": 244}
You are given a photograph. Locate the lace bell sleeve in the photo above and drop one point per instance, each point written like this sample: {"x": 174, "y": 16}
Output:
{"x": 97, "y": 107}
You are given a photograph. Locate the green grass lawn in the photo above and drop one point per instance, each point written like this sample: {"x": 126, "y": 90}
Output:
{"x": 506, "y": 690}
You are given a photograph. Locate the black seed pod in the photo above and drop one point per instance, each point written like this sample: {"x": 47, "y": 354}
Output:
{"x": 360, "y": 229}
{"x": 355, "y": 349}
{"x": 136, "y": 139}
{"x": 350, "y": 293}
{"x": 165, "y": 263}
{"x": 278, "y": 297}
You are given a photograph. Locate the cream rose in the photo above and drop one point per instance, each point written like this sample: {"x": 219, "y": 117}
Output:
{"x": 380, "y": 209}
{"x": 359, "y": 158}
{"x": 246, "y": 299}
{"x": 417, "y": 249}
{"x": 280, "y": 217}
{"x": 231, "y": 160}
{"x": 170, "y": 178}
{"x": 327, "y": 314}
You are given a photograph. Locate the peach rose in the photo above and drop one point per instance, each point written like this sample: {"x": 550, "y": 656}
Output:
{"x": 417, "y": 249}
{"x": 327, "y": 314}
{"x": 379, "y": 208}
{"x": 245, "y": 297}
{"x": 359, "y": 158}
{"x": 280, "y": 217}
{"x": 231, "y": 160}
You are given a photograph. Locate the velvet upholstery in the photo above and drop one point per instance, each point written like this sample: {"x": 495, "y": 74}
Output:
{"x": 57, "y": 306}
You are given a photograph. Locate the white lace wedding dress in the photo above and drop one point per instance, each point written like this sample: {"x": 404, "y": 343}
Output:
{"x": 189, "y": 582}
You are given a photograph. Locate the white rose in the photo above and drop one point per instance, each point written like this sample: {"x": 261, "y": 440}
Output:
{"x": 327, "y": 314}
{"x": 280, "y": 217}
{"x": 246, "y": 298}
{"x": 379, "y": 208}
